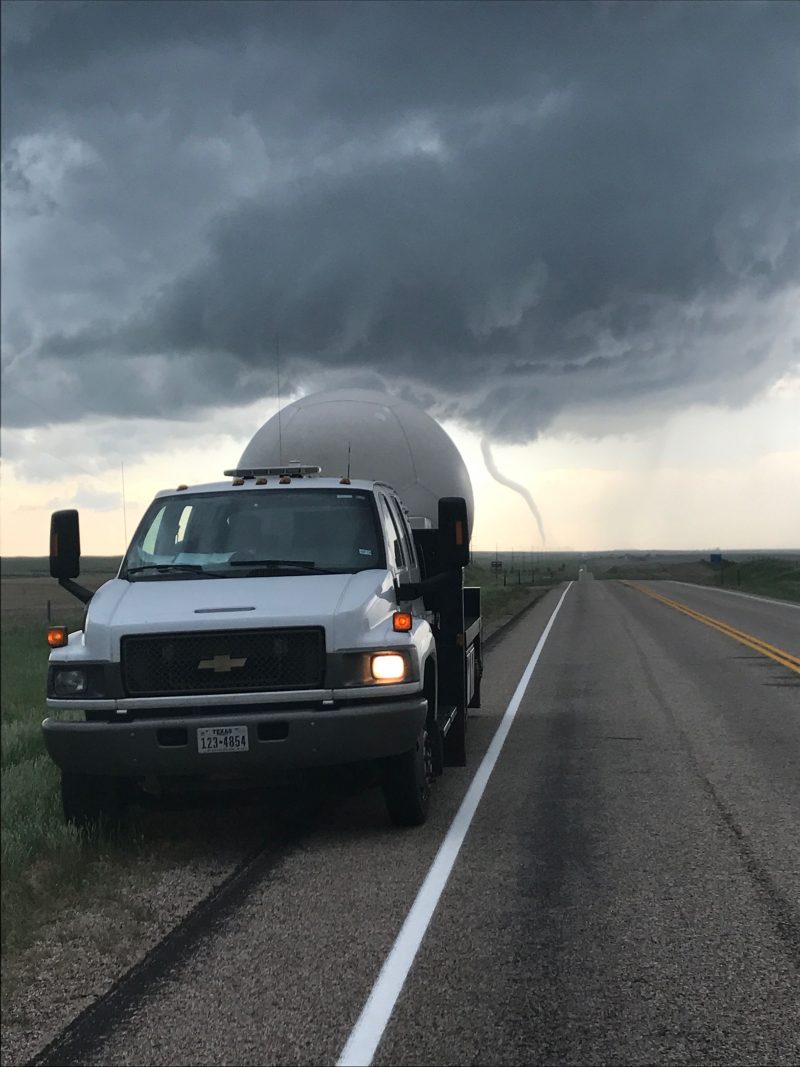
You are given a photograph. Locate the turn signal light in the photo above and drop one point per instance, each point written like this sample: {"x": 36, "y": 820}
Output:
{"x": 402, "y": 621}
{"x": 57, "y": 636}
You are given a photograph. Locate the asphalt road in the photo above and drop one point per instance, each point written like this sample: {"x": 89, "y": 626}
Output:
{"x": 628, "y": 891}
{"x": 775, "y": 621}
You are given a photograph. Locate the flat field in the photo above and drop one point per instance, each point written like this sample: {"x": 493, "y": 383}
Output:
{"x": 774, "y": 574}
{"x": 37, "y": 601}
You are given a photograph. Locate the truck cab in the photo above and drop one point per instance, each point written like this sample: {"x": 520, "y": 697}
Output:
{"x": 275, "y": 621}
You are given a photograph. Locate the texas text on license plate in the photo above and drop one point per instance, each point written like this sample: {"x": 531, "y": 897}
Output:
{"x": 222, "y": 739}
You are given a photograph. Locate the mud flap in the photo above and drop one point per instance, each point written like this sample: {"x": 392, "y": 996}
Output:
{"x": 455, "y": 742}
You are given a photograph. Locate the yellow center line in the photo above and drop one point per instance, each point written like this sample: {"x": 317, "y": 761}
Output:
{"x": 786, "y": 659}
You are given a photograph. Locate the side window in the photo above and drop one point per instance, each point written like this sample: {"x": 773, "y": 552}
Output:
{"x": 405, "y": 535}
{"x": 393, "y": 540}
{"x": 149, "y": 541}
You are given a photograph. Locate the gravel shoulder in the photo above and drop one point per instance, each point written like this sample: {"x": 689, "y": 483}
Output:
{"x": 91, "y": 941}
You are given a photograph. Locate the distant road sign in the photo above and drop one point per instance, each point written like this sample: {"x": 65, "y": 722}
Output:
{"x": 716, "y": 558}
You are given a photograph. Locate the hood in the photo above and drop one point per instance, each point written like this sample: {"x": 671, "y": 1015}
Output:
{"x": 120, "y": 607}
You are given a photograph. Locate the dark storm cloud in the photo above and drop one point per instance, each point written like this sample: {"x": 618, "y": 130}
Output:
{"x": 508, "y": 211}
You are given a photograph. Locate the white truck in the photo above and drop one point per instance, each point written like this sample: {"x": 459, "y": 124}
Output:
{"x": 277, "y": 620}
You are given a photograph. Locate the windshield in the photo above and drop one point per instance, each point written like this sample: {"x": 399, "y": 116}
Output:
{"x": 277, "y": 531}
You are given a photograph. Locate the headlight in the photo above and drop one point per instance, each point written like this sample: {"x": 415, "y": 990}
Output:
{"x": 388, "y": 667}
{"x": 69, "y": 683}
{"x": 371, "y": 667}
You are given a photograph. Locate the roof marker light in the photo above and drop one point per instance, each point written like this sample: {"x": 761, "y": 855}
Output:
{"x": 261, "y": 481}
{"x": 180, "y": 487}
{"x": 238, "y": 481}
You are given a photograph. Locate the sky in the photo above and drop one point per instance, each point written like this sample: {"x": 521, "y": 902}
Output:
{"x": 571, "y": 230}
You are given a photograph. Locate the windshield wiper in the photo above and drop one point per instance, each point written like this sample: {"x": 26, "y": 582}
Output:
{"x": 305, "y": 566}
{"x": 166, "y": 568}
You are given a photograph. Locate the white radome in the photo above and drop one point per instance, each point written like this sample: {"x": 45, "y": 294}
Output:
{"x": 390, "y": 440}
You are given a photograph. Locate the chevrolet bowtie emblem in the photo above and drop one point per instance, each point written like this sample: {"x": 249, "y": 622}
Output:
{"x": 220, "y": 663}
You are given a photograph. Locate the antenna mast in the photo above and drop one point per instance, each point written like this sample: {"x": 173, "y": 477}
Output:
{"x": 278, "y": 368}
{"x": 124, "y": 507}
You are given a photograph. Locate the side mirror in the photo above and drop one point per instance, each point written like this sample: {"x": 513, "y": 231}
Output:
{"x": 65, "y": 544}
{"x": 453, "y": 533}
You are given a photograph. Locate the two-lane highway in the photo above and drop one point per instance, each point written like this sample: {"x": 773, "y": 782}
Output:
{"x": 628, "y": 890}
{"x": 631, "y": 889}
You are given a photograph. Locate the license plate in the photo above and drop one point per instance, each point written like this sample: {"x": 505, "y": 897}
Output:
{"x": 222, "y": 739}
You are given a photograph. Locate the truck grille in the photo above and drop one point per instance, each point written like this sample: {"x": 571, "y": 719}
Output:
{"x": 231, "y": 661}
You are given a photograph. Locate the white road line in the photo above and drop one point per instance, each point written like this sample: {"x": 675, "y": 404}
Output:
{"x": 735, "y": 592}
{"x": 376, "y": 1013}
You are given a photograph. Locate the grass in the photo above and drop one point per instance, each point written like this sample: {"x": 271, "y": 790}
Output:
{"x": 43, "y": 859}
{"x": 48, "y": 866}
{"x": 773, "y": 577}
{"x": 498, "y": 600}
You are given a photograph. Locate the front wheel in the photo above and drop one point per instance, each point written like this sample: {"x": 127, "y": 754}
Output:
{"x": 407, "y": 784}
{"x": 91, "y": 799}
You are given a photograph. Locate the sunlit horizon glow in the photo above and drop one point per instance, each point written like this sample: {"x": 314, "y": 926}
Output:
{"x": 699, "y": 479}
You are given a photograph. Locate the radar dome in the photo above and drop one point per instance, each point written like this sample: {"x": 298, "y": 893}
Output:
{"x": 390, "y": 441}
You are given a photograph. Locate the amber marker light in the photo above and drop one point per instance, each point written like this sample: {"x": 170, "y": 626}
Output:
{"x": 402, "y": 622}
{"x": 57, "y": 636}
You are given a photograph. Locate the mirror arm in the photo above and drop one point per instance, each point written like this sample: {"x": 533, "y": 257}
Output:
{"x": 427, "y": 587}
{"x": 408, "y": 590}
{"x": 81, "y": 592}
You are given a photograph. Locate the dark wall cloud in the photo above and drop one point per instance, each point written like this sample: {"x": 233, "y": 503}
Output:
{"x": 508, "y": 211}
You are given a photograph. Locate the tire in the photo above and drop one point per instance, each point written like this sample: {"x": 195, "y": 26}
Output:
{"x": 407, "y": 784}
{"x": 90, "y": 800}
